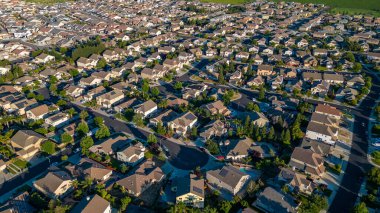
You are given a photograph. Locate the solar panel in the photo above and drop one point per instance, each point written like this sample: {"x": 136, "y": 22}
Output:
{"x": 223, "y": 172}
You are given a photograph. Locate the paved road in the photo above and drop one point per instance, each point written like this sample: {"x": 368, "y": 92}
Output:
{"x": 358, "y": 164}
{"x": 181, "y": 156}
{"x": 32, "y": 172}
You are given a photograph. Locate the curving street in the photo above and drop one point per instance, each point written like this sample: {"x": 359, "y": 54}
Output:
{"x": 180, "y": 156}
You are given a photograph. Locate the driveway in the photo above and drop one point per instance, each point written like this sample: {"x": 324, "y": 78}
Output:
{"x": 185, "y": 157}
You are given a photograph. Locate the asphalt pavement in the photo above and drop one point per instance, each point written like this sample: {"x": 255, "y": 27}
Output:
{"x": 180, "y": 156}
{"x": 358, "y": 164}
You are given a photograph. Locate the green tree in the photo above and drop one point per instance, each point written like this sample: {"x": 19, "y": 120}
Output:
{"x": 212, "y": 147}
{"x": 40, "y": 97}
{"x": 154, "y": 91}
{"x": 61, "y": 103}
{"x": 357, "y": 67}
{"x": 194, "y": 132}
{"x": 66, "y": 138}
{"x": 225, "y": 206}
{"x": 152, "y": 139}
{"x": 74, "y": 73}
{"x": 99, "y": 121}
{"x": 71, "y": 112}
{"x": 271, "y": 134}
{"x": 138, "y": 120}
{"x": 83, "y": 115}
{"x": 48, "y": 147}
{"x": 349, "y": 56}
{"x": 178, "y": 85}
{"x": 101, "y": 63}
{"x": 286, "y": 138}
{"x": 161, "y": 129}
{"x": 314, "y": 204}
{"x": 124, "y": 202}
{"x": 41, "y": 130}
{"x": 261, "y": 93}
{"x": 374, "y": 176}
{"x": 102, "y": 132}
{"x": 145, "y": 86}
{"x": 64, "y": 157}
{"x": 123, "y": 168}
{"x": 221, "y": 79}
{"x": 82, "y": 128}
{"x": 360, "y": 208}
{"x": 37, "y": 201}
{"x": 86, "y": 143}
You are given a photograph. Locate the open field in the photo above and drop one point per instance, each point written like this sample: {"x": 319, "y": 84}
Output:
{"x": 226, "y": 1}
{"x": 351, "y": 7}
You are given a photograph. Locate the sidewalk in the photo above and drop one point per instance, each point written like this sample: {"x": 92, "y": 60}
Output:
{"x": 371, "y": 148}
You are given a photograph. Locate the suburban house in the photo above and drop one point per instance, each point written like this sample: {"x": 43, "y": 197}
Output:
{"x": 193, "y": 91}
{"x": 163, "y": 118}
{"x": 259, "y": 119}
{"x": 256, "y": 82}
{"x": 90, "y": 81}
{"x": 262, "y": 150}
{"x": 217, "y": 107}
{"x": 95, "y": 92}
{"x": 43, "y": 58}
{"x": 88, "y": 168}
{"x": 26, "y": 143}
{"x": 74, "y": 91}
{"x": 38, "y": 112}
{"x": 323, "y": 149}
{"x": 174, "y": 101}
{"x": 228, "y": 178}
{"x": 57, "y": 120}
{"x": 273, "y": 200}
{"x": 237, "y": 149}
{"x": 132, "y": 154}
{"x": 109, "y": 98}
{"x": 333, "y": 78}
{"x": 145, "y": 176}
{"x": 55, "y": 184}
{"x": 322, "y": 132}
{"x": 22, "y": 105}
{"x": 182, "y": 124}
{"x": 93, "y": 204}
{"x": 189, "y": 190}
{"x": 297, "y": 182}
{"x": 110, "y": 146}
{"x": 86, "y": 63}
{"x": 312, "y": 76}
{"x": 264, "y": 70}
{"x": 147, "y": 108}
{"x": 212, "y": 129}
{"x": 328, "y": 110}
{"x": 307, "y": 161}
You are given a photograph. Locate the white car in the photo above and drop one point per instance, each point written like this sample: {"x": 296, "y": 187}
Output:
{"x": 376, "y": 142}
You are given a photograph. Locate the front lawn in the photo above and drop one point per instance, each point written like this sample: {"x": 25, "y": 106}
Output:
{"x": 22, "y": 164}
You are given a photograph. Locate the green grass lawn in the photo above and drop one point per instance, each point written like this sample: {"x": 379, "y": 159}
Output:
{"x": 21, "y": 163}
{"x": 226, "y": 1}
{"x": 351, "y": 7}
